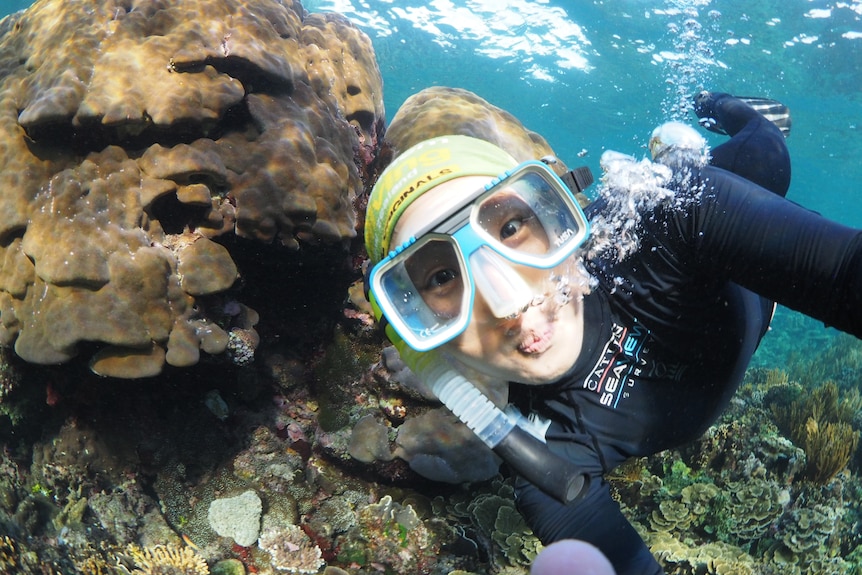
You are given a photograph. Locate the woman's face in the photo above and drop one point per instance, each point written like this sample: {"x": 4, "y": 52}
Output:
{"x": 537, "y": 346}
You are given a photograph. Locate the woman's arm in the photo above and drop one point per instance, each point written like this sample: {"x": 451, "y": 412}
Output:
{"x": 779, "y": 250}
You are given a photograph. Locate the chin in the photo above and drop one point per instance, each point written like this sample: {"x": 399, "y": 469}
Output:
{"x": 543, "y": 371}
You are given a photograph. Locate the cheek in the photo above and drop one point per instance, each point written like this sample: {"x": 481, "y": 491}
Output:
{"x": 477, "y": 342}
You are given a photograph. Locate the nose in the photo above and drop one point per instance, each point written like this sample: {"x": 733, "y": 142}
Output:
{"x": 502, "y": 288}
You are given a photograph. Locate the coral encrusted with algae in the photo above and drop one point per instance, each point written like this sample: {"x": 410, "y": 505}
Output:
{"x": 291, "y": 550}
{"x": 391, "y": 536}
{"x": 440, "y": 111}
{"x": 140, "y": 141}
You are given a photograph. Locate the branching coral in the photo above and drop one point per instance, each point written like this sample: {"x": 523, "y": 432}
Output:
{"x": 829, "y": 448}
{"x": 821, "y": 425}
{"x": 8, "y": 554}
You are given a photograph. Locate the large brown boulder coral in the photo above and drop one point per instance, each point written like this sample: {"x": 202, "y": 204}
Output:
{"x": 442, "y": 111}
{"x": 141, "y": 141}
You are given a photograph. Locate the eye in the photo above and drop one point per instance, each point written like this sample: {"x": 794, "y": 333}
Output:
{"x": 435, "y": 270}
{"x": 511, "y": 227}
{"x": 507, "y": 218}
{"x": 442, "y": 290}
{"x": 440, "y": 278}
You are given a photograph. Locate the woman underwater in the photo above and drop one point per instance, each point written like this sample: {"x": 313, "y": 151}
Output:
{"x": 618, "y": 331}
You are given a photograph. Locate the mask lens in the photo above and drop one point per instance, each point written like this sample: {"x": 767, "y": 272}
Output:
{"x": 425, "y": 292}
{"x": 530, "y": 219}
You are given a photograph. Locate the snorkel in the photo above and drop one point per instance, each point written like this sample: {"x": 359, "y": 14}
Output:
{"x": 510, "y": 436}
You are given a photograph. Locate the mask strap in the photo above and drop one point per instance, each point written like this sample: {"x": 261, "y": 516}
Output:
{"x": 578, "y": 179}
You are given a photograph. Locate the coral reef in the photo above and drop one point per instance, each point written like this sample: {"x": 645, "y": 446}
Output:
{"x": 8, "y": 554}
{"x": 141, "y": 466}
{"x": 497, "y": 518}
{"x": 140, "y": 231}
{"x": 741, "y": 499}
{"x": 438, "y": 446}
{"x": 139, "y": 144}
{"x": 433, "y": 442}
{"x": 712, "y": 559}
{"x": 491, "y": 522}
{"x": 16, "y": 557}
{"x": 752, "y": 507}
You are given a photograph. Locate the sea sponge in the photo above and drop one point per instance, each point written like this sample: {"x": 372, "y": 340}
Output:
{"x": 369, "y": 441}
{"x": 139, "y": 140}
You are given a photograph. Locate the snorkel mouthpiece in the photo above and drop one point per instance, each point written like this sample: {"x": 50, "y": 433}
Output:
{"x": 503, "y": 289}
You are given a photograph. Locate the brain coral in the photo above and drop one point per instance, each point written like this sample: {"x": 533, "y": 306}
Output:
{"x": 141, "y": 141}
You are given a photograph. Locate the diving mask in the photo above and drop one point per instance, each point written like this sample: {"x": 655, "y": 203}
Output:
{"x": 425, "y": 288}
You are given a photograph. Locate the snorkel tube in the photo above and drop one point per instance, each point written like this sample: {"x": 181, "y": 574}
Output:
{"x": 508, "y": 437}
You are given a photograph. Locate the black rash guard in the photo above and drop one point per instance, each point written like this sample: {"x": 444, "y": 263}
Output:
{"x": 670, "y": 330}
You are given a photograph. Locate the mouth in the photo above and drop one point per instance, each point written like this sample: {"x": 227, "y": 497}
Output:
{"x": 536, "y": 341}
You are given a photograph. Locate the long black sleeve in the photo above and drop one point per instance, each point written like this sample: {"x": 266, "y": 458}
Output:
{"x": 779, "y": 250}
